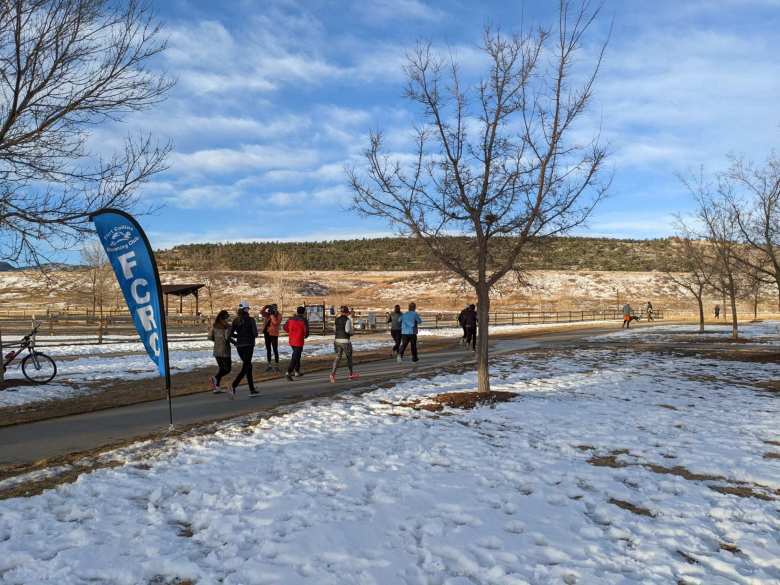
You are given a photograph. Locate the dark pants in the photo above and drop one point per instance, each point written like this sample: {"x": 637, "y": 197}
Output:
{"x": 271, "y": 343}
{"x": 295, "y": 360}
{"x": 342, "y": 349}
{"x": 471, "y": 337}
{"x": 396, "y": 333}
{"x": 465, "y": 332}
{"x": 245, "y": 353}
{"x": 407, "y": 340}
{"x": 225, "y": 365}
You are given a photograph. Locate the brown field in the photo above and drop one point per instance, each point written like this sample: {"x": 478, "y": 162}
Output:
{"x": 545, "y": 290}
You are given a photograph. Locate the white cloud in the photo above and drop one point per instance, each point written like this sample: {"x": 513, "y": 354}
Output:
{"x": 245, "y": 158}
{"x": 689, "y": 97}
{"x": 380, "y": 11}
{"x": 335, "y": 197}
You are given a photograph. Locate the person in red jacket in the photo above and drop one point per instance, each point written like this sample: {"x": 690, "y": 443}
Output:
{"x": 297, "y": 328}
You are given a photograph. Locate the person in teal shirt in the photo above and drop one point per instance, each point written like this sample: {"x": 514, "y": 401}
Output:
{"x": 409, "y": 324}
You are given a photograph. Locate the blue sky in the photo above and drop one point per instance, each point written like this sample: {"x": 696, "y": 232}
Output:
{"x": 274, "y": 97}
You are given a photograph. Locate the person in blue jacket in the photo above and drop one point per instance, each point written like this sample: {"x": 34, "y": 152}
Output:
{"x": 409, "y": 323}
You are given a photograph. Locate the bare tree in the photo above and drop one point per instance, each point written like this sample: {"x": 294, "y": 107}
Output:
{"x": 754, "y": 283}
{"x": 715, "y": 214}
{"x": 66, "y": 66}
{"x": 756, "y": 208}
{"x": 99, "y": 274}
{"x": 496, "y": 161}
{"x": 694, "y": 278}
{"x": 282, "y": 286}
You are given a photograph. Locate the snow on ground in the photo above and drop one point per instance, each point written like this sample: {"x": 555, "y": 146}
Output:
{"x": 502, "y": 329}
{"x": 360, "y": 490}
{"x": 762, "y": 332}
{"x": 23, "y": 394}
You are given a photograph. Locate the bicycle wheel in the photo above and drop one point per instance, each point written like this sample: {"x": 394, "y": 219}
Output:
{"x": 39, "y": 368}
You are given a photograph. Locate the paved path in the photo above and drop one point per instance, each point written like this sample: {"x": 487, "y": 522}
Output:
{"x": 27, "y": 443}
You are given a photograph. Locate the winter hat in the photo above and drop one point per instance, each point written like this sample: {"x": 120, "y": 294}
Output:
{"x": 300, "y": 310}
{"x": 243, "y": 305}
{"x": 344, "y": 309}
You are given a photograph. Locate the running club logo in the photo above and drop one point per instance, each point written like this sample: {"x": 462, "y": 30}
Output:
{"x": 120, "y": 238}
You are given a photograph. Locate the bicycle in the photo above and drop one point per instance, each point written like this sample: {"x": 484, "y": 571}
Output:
{"x": 37, "y": 367}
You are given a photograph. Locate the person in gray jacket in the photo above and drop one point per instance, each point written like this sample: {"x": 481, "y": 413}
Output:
{"x": 343, "y": 343}
{"x": 394, "y": 319}
{"x": 220, "y": 335}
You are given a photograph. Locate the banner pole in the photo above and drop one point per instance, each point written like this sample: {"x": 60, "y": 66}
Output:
{"x": 164, "y": 320}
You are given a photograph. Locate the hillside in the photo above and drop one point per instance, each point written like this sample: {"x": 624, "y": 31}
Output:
{"x": 393, "y": 254}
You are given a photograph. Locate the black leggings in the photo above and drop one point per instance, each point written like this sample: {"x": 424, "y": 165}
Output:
{"x": 245, "y": 353}
{"x": 225, "y": 365}
{"x": 271, "y": 343}
{"x": 396, "y": 333}
{"x": 471, "y": 337}
{"x": 409, "y": 339}
{"x": 295, "y": 360}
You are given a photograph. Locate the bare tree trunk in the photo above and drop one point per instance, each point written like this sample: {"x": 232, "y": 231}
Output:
{"x": 483, "y": 315}
{"x": 701, "y": 314}
{"x": 778, "y": 294}
{"x": 733, "y": 299}
{"x": 755, "y": 305}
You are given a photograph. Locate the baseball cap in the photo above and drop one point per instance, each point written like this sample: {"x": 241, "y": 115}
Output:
{"x": 243, "y": 305}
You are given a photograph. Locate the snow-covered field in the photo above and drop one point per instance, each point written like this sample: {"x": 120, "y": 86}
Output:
{"x": 360, "y": 490}
{"x": 764, "y": 332}
{"x": 504, "y": 329}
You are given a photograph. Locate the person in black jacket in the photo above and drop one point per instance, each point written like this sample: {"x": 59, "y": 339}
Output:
{"x": 243, "y": 333}
{"x": 462, "y": 324}
{"x": 470, "y": 326}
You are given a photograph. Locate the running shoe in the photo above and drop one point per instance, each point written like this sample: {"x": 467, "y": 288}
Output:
{"x": 354, "y": 376}
{"x": 333, "y": 378}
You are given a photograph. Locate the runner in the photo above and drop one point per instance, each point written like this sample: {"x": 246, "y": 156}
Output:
{"x": 470, "y": 326}
{"x": 461, "y": 318}
{"x": 650, "y": 311}
{"x": 626, "y": 316}
{"x": 717, "y": 311}
{"x": 271, "y": 321}
{"x": 220, "y": 335}
{"x": 409, "y": 323}
{"x": 297, "y": 328}
{"x": 394, "y": 319}
{"x": 342, "y": 343}
{"x": 243, "y": 333}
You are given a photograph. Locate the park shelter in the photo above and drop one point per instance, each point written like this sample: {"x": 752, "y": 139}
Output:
{"x": 181, "y": 291}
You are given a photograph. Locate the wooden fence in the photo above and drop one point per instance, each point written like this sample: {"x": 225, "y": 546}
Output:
{"x": 74, "y": 329}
